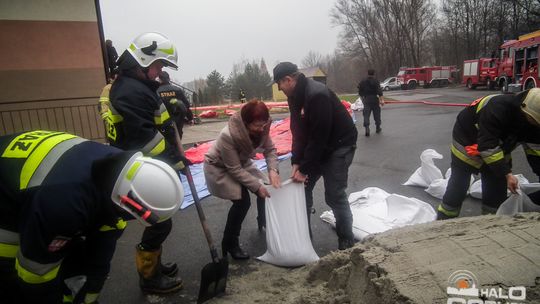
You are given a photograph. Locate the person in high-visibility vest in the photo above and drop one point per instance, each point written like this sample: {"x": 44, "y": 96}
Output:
{"x": 64, "y": 203}
{"x": 138, "y": 120}
{"x": 175, "y": 101}
{"x": 484, "y": 135}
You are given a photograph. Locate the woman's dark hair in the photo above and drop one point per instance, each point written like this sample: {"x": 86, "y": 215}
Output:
{"x": 254, "y": 110}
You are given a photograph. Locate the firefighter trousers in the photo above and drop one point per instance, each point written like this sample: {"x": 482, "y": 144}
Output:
{"x": 493, "y": 186}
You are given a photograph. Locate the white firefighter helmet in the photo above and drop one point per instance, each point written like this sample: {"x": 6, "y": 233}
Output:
{"x": 149, "y": 47}
{"x": 148, "y": 189}
{"x": 531, "y": 104}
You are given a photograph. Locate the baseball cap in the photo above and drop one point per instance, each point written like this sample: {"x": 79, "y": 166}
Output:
{"x": 283, "y": 69}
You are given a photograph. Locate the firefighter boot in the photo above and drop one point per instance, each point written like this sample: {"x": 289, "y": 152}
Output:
{"x": 151, "y": 278}
{"x": 445, "y": 214}
{"x": 367, "y": 131}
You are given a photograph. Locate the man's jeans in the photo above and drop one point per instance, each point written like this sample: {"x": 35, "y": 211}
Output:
{"x": 335, "y": 172}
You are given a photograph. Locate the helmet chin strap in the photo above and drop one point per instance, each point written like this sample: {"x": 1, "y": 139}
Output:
{"x": 145, "y": 71}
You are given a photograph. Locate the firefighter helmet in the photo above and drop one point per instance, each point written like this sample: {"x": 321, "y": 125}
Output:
{"x": 149, "y": 47}
{"x": 531, "y": 104}
{"x": 148, "y": 189}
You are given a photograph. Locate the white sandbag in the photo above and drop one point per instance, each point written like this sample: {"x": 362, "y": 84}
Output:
{"x": 520, "y": 202}
{"x": 374, "y": 211}
{"x": 287, "y": 233}
{"x": 427, "y": 172}
{"x": 437, "y": 188}
{"x": 358, "y": 105}
{"x": 476, "y": 188}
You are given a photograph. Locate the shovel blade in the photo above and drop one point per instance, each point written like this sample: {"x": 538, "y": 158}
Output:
{"x": 213, "y": 280}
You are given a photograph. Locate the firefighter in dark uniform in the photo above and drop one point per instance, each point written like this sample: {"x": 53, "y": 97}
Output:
{"x": 371, "y": 93}
{"x": 484, "y": 135}
{"x": 138, "y": 120}
{"x": 63, "y": 203}
{"x": 175, "y": 101}
{"x": 242, "y": 96}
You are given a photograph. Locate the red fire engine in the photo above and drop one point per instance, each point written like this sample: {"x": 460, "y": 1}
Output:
{"x": 480, "y": 72}
{"x": 518, "y": 65}
{"x": 433, "y": 76}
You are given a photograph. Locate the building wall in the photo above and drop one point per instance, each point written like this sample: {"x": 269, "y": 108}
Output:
{"x": 51, "y": 66}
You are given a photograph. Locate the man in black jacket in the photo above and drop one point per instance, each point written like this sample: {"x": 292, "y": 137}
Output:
{"x": 175, "y": 101}
{"x": 324, "y": 143}
{"x": 371, "y": 93}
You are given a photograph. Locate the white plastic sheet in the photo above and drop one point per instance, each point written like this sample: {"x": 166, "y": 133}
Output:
{"x": 428, "y": 172}
{"x": 520, "y": 202}
{"x": 287, "y": 233}
{"x": 374, "y": 211}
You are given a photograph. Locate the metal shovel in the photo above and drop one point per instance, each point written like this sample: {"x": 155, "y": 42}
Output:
{"x": 213, "y": 274}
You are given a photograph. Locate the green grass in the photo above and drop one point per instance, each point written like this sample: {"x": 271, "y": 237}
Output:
{"x": 350, "y": 98}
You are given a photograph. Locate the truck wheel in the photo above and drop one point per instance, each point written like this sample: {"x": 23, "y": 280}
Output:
{"x": 504, "y": 86}
{"x": 435, "y": 84}
{"x": 470, "y": 85}
{"x": 529, "y": 85}
{"x": 412, "y": 85}
{"x": 490, "y": 84}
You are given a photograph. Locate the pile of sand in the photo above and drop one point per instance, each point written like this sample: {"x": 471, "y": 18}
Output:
{"x": 406, "y": 265}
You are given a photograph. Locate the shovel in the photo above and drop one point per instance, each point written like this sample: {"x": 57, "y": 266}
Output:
{"x": 214, "y": 274}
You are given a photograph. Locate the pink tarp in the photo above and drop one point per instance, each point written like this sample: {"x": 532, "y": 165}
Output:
{"x": 280, "y": 132}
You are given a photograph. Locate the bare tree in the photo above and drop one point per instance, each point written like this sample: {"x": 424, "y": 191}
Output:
{"x": 312, "y": 59}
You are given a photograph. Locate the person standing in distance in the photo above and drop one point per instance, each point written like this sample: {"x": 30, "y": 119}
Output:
{"x": 324, "y": 143}
{"x": 371, "y": 93}
{"x": 175, "y": 101}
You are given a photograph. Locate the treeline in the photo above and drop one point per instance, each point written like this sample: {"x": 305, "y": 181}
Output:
{"x": 251, "y": 77}
{"x": 389, "y": 34}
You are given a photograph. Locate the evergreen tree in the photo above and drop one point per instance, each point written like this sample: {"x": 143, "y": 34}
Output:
{"x": 215, "y": 84}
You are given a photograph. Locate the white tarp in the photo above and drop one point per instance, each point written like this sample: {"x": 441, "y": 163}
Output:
{"x": 374, "y": 210}
{"x": 287, "y": 233}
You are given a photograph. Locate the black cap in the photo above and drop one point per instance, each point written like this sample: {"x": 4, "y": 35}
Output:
{"x": 284, "y": 69}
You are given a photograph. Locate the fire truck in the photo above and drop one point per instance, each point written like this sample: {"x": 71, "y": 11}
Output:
{"x": 518, "y": 63}
{"x": 480, "y": 72}
{"x": 433, "y": 76}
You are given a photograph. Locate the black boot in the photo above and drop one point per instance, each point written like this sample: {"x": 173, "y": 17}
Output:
{"x": 378, "y": 130}
{"x": 169, "y": 269}
{"x": 232, "y": 246}
{"x": 151, "y": 277}
{"x": 344, "y": 244}
{"x": 367, "y": 131}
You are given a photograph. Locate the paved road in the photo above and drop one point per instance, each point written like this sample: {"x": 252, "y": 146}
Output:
{"x": 384, "y": 161}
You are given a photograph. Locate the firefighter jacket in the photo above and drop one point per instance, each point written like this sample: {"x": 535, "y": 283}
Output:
{"x": 176, "y": 103}
{"x": 497, "y": 125}
{"x": 319, "y": 124}
{"x": 51, "y": 200}
{"x": 138, "y": 120}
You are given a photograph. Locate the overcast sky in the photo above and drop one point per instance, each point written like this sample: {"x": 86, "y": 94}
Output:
{"x": 215, "y": 34}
